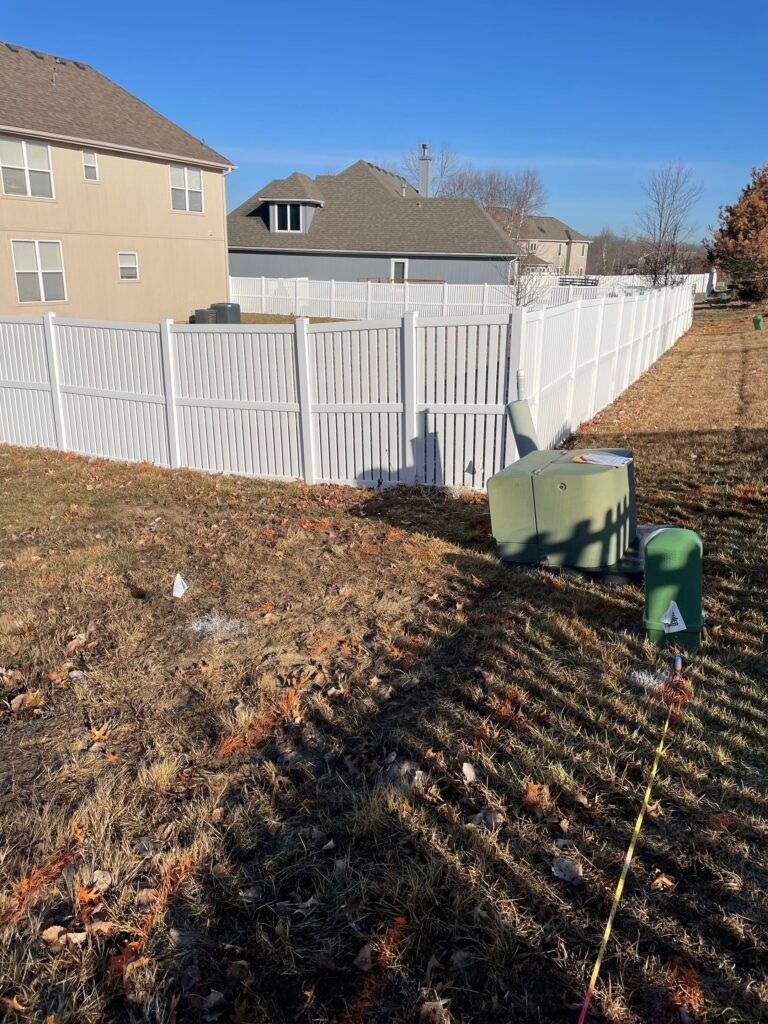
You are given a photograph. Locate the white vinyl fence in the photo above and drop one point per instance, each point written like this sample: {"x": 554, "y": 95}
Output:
{"x": 369, "y": 300}
{"x": 400, "y": 400}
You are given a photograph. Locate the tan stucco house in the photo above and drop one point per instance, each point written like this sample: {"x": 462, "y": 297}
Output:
{"x": 108, "y": 210}
{"x": 548, "y": 245}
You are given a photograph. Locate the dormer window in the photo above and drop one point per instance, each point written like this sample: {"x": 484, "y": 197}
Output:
{"x": 288, "y": 217}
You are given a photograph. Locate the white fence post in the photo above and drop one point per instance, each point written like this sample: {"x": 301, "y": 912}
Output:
{"x": 368, "y": 300}
{"x": 514, "y": 363}
{"x": 306, "y": 427}
{"x": 485, "y": 297}
{"x": 54, "y": 377}
{"x": 411, "y": 467}
{"x": 596, "y": 366}
{"x": 445, "y": 298}
{"x": 538, "y": 371}
{"x": 572, "y": 368}
{"x": 333, "y": 298}
{"x": 169, "y": 388}
{"x": 263, "y": 295}
{"x": 405, "y": 297}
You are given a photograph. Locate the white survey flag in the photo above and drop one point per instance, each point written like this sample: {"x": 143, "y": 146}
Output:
{"x": 179, "y": 586}
{"x": 673, "y": 620}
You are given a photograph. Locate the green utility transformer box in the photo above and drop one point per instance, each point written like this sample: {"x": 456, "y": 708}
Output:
{"x": 552, "y": 508}
{"x": 673, "y": 569}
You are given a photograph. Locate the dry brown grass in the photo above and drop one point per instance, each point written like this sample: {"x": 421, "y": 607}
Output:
{"x": 271, "y": 770}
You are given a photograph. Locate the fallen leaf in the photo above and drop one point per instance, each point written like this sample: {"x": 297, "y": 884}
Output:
{"x": 101, "y": 880}
{"x": 434, "y": 1010}
{"x": 566, "y": 870}
{"x": 468, "y": 771}
{"x": 536, "y": 795}
{"x": 53, "y": 936}
{"x": 27, "y": 701}
{"x": 663, "y": 882}
{"x": 145, "y": 899}
{"x": 364, "y": 959}
{"x": 13, "y": 1004}
{"x": 77, "y": 641}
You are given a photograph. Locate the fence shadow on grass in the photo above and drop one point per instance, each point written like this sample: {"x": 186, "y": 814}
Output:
{"x": 528, "y": 685}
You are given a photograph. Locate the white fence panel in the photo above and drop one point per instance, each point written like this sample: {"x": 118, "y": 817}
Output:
{"x": 357, "y": 402}
{"x": 463, "y": 385}
{"x": 373, "y": 402}
{"x": 112, "y": 390}
{"x": 26, "y": 401}
{"x": 238, "y": 400}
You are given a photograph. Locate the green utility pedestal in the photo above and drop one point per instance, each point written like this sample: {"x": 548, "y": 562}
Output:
{"x": 673, "y": 568}
{"x": 758, "y": 322}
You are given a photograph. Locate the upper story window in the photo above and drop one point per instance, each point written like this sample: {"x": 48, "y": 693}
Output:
{"x": 559, "y": 248}
{"x": 39, "y": 271}
{"x": 584, "y": 250}
{"x": 90, "y": 165}
{"x": 186, "y": 189}
{"x": 532, "y": 246}
{"x": 288, "y": 217}
{"x": 26, "y": 168}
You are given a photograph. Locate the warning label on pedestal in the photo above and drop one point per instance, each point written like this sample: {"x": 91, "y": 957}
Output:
{"x": 672, "y": 619}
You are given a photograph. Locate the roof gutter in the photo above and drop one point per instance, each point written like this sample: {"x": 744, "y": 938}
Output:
{"x": 100, "y": 144}
{"x": 376, "y": 252}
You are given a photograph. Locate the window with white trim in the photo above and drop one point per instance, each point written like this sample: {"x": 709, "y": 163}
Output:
{"x": 128, "y": 266}
{"x": 39, "y": 271}
{"x": 399, "y": 271}
{"x": 186, "y": 189}
{"x": 584, "y": 250}
{"x": 532, "y": 246}
{"x": 26, "y": 168}
{"x": 288, "y": 216}
{"x": 90, "y": 165}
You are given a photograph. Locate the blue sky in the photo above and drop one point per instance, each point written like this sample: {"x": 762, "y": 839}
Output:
{"x": 594, "y": 95}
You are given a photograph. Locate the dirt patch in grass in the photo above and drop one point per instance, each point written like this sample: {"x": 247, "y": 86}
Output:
{"x": 330, "y": 783}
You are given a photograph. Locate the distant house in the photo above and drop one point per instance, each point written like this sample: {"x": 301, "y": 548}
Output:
{"x": 549, "y": 244}
{"x": 365, "y": 224}
{"x": 108, "y": 210}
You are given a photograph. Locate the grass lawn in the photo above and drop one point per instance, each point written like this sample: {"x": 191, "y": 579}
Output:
{"x": 329, "y": 784}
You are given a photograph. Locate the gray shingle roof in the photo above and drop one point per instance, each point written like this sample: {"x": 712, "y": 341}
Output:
{"x": 295, "y": 187}
{"x": 65, "y": 99}
{"x": 545, "y": 229}
{"x": 364, "y": 211}
{"x": 551, "y": 229}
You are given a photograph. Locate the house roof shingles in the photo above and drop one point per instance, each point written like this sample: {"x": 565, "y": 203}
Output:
{"x": 365, "y": 211}
{"x": 551, "y": 229}
{"x": 59, "y": 98}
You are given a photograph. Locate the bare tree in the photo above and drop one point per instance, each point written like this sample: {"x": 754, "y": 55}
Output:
{"x": 444, "y": 165}
{"x": 664, "y": 222}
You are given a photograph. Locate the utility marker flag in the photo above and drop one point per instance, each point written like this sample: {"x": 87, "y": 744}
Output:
{"x": 672, "y": 620}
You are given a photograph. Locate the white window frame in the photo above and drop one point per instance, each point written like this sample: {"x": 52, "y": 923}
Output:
{"x": 42, "y": 300}
{"x": 398, "y": 259}
{"x": 532, "y": 246}
{"x": 95, "y": 165}
{"x": 289, "y": 230}
{"x": 129, "y": 280}
{"x": 584, "y": 249}
{"x": 186, "y": 168}
{"x": 26, "y": 169}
